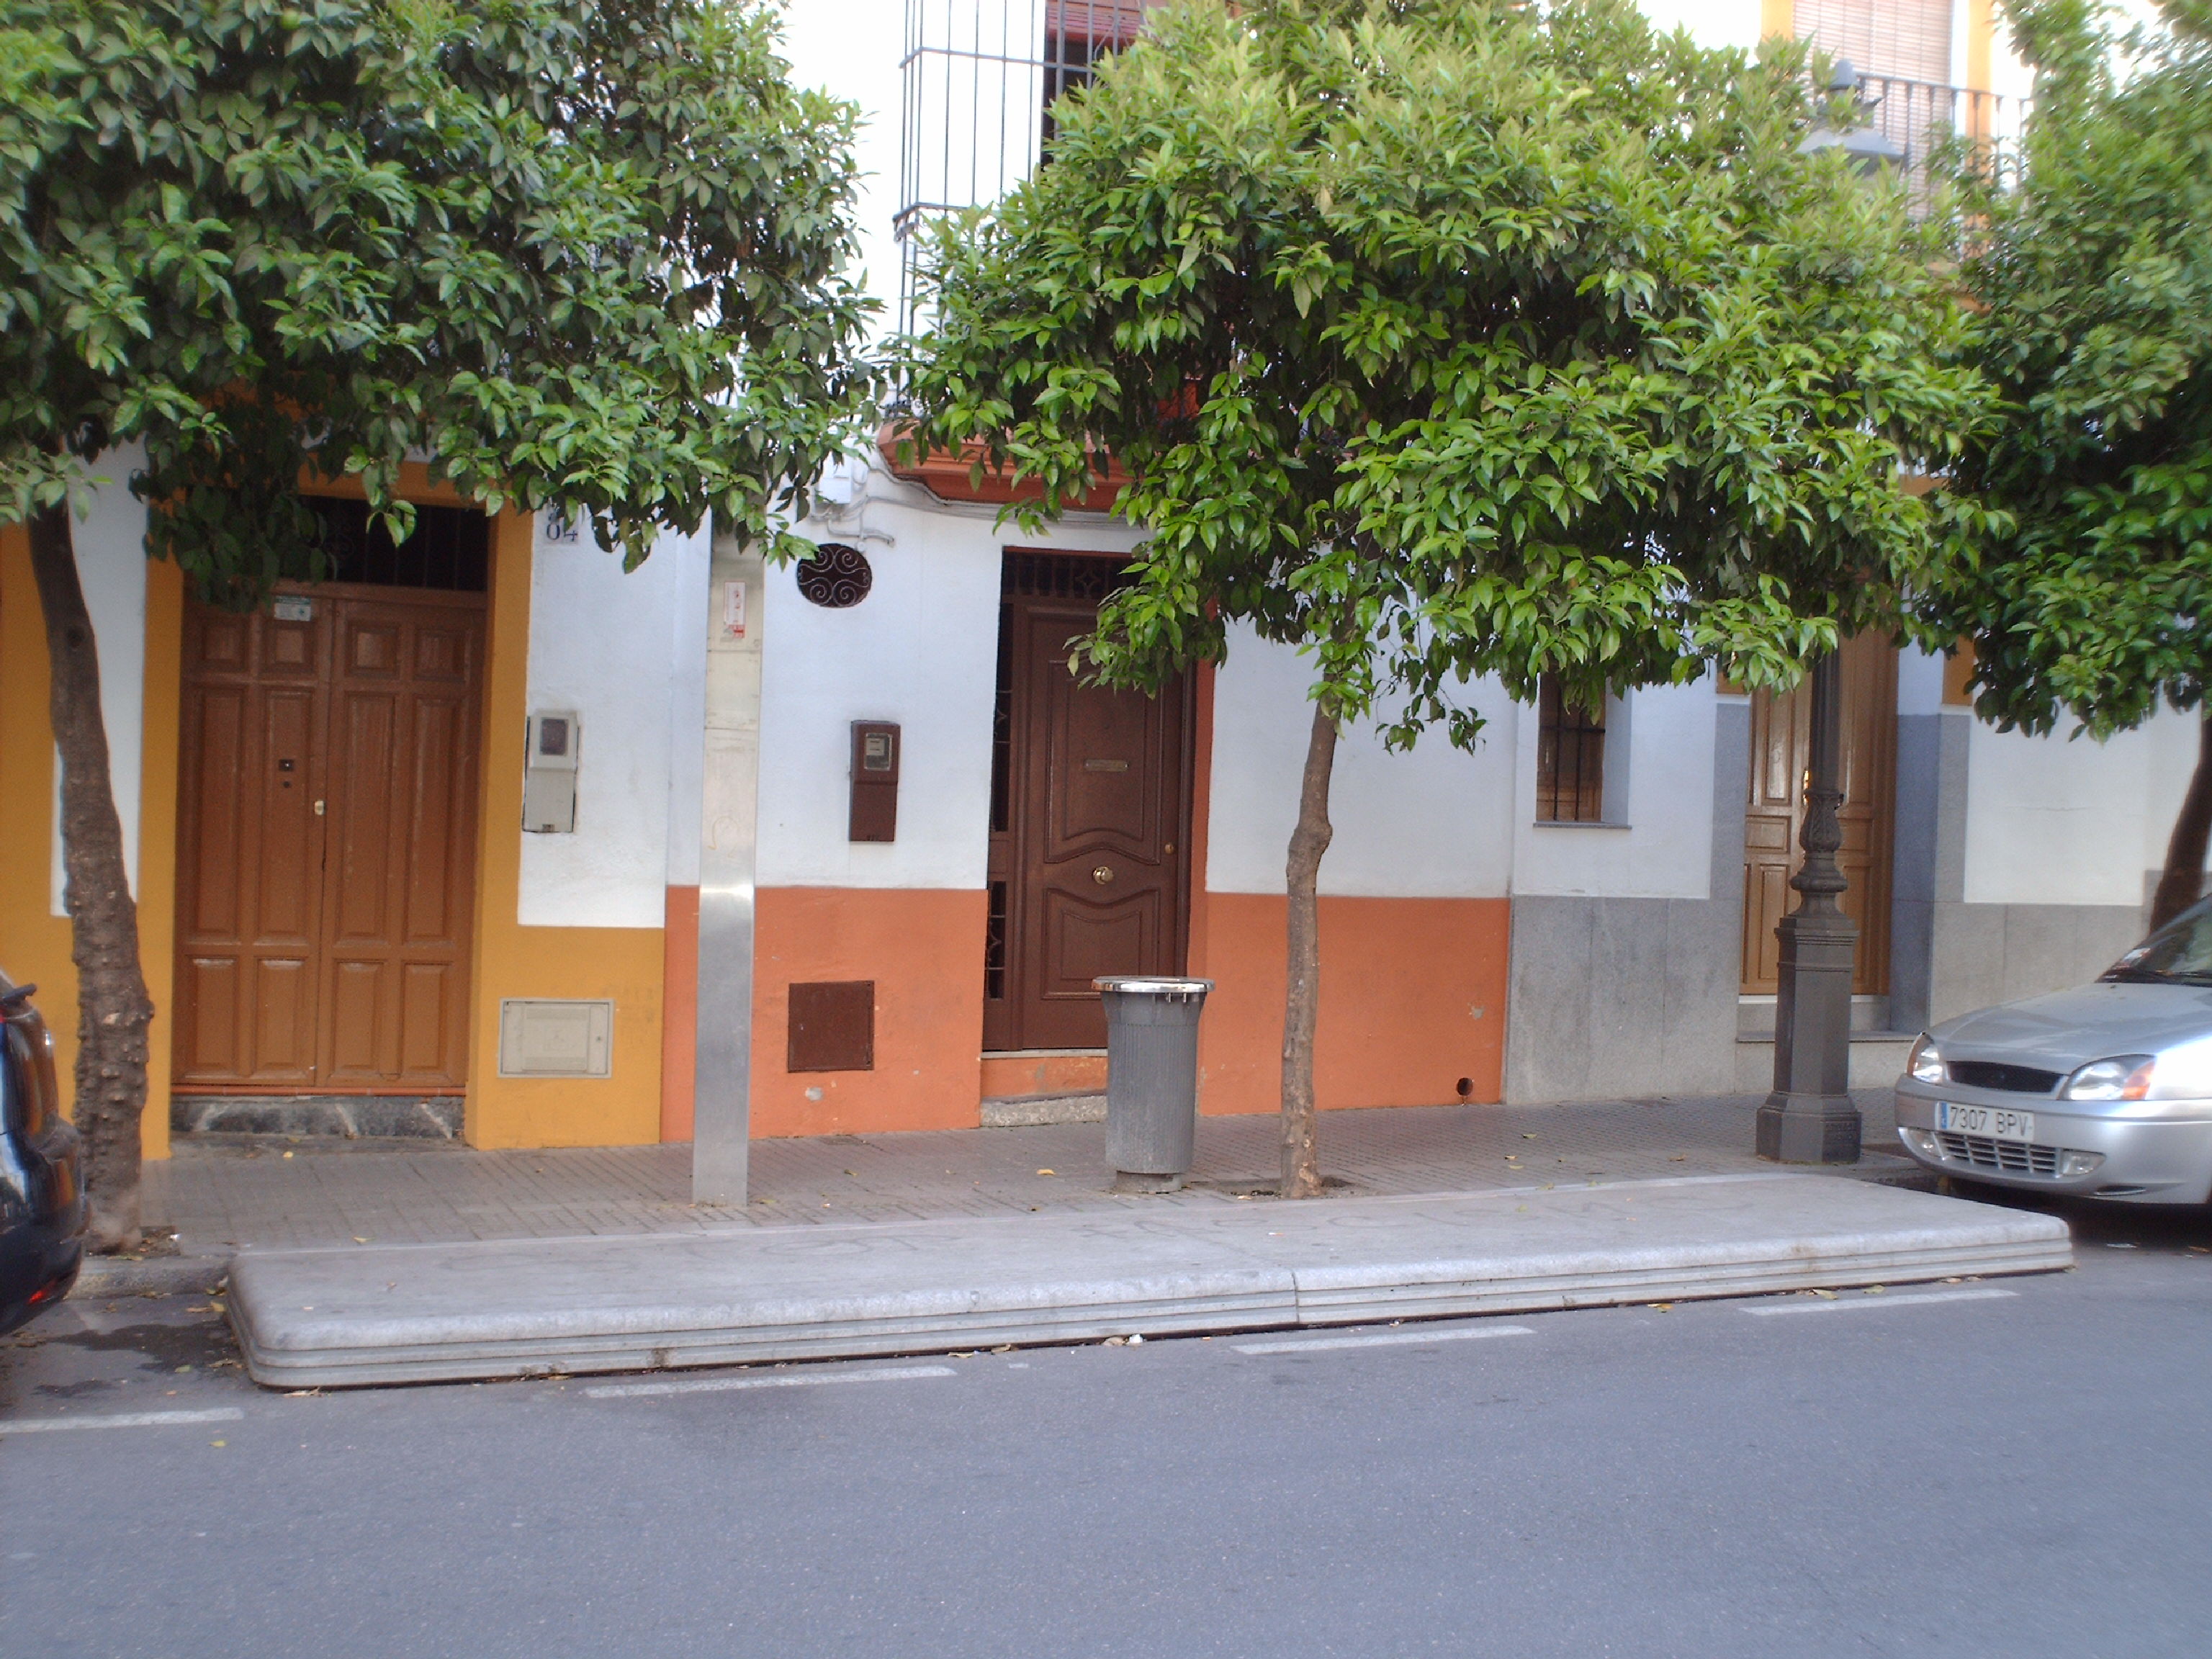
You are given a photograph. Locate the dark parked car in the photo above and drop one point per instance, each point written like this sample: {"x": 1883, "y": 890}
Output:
{"x": 41, "y": 1201}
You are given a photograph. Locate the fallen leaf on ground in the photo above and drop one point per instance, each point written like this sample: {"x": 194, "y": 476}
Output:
{"x": 1047, "y": 1172}
{"x": 1661, "y": 1307}
{"x": 1825, "y": 1295}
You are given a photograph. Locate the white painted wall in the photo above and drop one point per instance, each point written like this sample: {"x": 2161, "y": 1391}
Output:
{"x": 851, "y": 50}
{"x": 1664, "y": 847}
{"x": 920, "y": 650}
{"x": 1432, "y": 822}
{"x": 110, "y": 563}
{"x": 1711, "y": 22}
{"x": 600, "y": 644}
{"x": 2054, "y": 821}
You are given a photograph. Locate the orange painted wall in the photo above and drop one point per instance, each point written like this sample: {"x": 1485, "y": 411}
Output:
{"x": 1010, "y": 1076}
{"x": 924, "y": 950}
{"x": 1412, "y": 999}
{"x": 1778, "y": 17}
{"x": 624, "y": 963}
{"x": 679, "y": 1020}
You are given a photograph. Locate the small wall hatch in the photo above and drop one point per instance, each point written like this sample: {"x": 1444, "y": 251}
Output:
{"x": 541, "y": 1037}
{"x": 833, "y": 1026}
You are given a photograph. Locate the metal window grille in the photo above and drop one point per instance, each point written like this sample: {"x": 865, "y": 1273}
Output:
{"x": 978, "y": 79}
{"x": 450, "y": 550}
{"x": 1570, "y": 759}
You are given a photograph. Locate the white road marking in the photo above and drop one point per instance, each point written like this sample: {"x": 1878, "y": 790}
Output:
{"x": 1859, "y": 1303}
{"x": 1381, "y": 1340}
{"x": 796, "y": 1379}
{"x": 122, "y": 1421}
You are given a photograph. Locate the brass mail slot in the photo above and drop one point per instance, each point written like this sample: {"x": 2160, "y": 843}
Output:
{"x": 1105, "y": 766}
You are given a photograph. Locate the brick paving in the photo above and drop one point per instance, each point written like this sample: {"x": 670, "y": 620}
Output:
{"x": 222, "y": 1193}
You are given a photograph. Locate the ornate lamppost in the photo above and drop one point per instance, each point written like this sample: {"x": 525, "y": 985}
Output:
{"x": 1809, "y": 1117}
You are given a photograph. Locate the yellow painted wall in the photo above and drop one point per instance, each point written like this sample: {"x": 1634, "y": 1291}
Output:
{"x": 35, "y": 942}
{"x": 157, "y": 835}
{"x": 625, "y": 963}
{"x": 1778, "y": 17}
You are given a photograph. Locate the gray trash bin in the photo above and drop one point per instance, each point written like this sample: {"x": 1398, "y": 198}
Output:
{"x": 1151, "y": 1078}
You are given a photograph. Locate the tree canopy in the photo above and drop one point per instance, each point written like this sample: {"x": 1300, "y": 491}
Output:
{"x": 2091, "y": 264}
{"x": 565, "y": 251}
{"x": 1461, "y": 339}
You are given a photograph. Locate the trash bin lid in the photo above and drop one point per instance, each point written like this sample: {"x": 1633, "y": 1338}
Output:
{"x": 1146, "y": 985}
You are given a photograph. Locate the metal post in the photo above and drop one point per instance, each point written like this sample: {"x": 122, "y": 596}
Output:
{"x": 1809, "y": 1117}
{"x": 729, "y": 791}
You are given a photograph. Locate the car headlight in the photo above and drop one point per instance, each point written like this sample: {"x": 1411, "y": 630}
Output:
{"x": 1925, "y": 1063}
{"x": 2124, "y": 1077}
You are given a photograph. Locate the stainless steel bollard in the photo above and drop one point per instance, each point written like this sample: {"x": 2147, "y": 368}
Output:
{"x": 1151, "y": 1078}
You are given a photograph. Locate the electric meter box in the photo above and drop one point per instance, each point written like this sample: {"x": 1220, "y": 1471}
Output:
{"x": 549, "y": 773}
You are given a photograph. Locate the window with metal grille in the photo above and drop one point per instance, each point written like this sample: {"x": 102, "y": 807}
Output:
{"x": 450, "y": 550}
{"x": 978, "y": 81}
{"x": 1570, "y": 759}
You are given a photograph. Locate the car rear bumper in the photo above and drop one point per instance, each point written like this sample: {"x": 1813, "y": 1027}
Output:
{"x": 2168, "y": 1160}
{"x": 38, "y": 1265}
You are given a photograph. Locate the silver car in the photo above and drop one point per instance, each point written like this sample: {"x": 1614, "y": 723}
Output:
{"x": 2103, "y": 1092}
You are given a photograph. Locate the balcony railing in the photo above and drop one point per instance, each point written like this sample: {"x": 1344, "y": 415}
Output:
{"x": 1922, "y": 119}
{"x": 979, "y": 78}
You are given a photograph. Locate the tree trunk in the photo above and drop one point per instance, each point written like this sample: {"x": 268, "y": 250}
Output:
{"x": 1302, "y": 999}
{"x": 2181, "y": 884}
{"x": 113, "y": 1010}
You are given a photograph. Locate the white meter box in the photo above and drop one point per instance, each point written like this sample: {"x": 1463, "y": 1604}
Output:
{"x": 539, "y": 1036}
{"x": 549, "y": 774}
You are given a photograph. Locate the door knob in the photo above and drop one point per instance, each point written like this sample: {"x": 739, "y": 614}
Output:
{"x": 1102, "y": 875}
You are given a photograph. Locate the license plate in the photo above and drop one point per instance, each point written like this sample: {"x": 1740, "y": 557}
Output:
{"x": 1997, "y": 1122}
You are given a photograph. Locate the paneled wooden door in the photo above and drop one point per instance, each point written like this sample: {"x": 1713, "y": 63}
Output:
{"x": 1780, "y": 752}
{"x": 1091, "y": 803}
{"x": 326, "y": 842}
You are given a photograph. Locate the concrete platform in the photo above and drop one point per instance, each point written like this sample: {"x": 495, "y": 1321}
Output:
{"x": 341, "y": 1317}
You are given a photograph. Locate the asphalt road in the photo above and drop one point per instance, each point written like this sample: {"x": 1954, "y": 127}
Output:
{"x": 2024, "y": 1468}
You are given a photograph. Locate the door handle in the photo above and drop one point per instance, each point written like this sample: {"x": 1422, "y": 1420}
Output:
{"x": 1102, "y": 875}
{"x": 318, "y": 808}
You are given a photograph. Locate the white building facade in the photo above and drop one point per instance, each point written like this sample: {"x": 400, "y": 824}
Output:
{"x": 917, "y": 841}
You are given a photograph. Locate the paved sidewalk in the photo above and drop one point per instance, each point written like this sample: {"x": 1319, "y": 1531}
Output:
{"x": 417, "y": 1313}
{"x": 273, "y": 1194}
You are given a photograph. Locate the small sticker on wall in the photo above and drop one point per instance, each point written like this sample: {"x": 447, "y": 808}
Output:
{"x": 734, "y": 609}
{"x": 292, "y": 607}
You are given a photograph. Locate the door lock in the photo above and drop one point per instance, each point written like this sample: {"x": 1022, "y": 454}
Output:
{"x": 1102, "y": 875}
{"x": 318, "y": 808}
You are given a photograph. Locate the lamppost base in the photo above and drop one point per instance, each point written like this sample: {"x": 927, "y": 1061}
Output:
{"x": 1796, "y": 1128}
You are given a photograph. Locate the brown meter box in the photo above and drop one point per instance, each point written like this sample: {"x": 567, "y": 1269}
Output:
{"x": 875, "y": 781}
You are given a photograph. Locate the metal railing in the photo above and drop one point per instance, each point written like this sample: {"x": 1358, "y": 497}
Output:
{"x": 978, "y": 78}
{"x": 1923, "y": 120}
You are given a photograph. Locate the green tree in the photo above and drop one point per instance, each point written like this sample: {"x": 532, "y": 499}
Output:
{"x": 2093, "y": 264}
{"x": 584, "y": 254}
{"x": 1455, "y": 338}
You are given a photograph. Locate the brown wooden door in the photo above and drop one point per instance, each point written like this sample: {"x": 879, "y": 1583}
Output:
{"x": 1781, "y": 751}
{"x": 326, "y": 844}
{"x": 1089, "y": 858}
